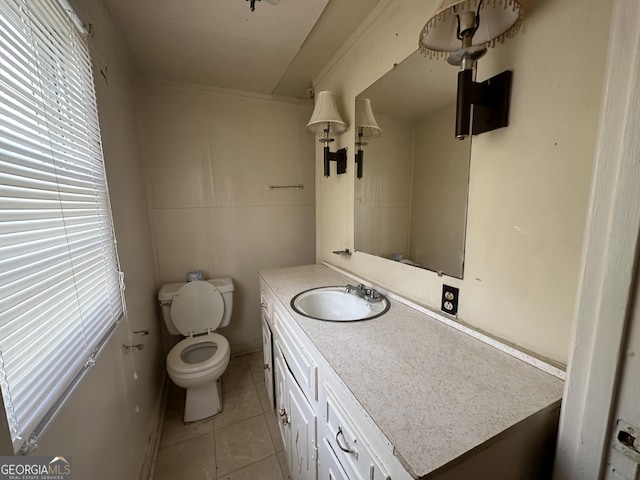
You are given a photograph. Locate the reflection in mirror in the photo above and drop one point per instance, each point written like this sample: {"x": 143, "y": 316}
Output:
{"x": 366, "y": 126}
{"x": 411, "y": 202}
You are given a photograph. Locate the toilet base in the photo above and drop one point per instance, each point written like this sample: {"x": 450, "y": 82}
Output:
{"x": 203, "y": 402}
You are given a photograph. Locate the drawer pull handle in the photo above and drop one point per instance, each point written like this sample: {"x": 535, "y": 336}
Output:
{"x": 346, "y": 449}
{"x": 266, "y": 366}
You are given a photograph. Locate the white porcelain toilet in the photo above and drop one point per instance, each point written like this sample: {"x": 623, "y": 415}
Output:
{"x": 195, "y": 310}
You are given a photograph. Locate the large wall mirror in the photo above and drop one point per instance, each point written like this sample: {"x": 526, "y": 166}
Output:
{"x": 411, "y": 202}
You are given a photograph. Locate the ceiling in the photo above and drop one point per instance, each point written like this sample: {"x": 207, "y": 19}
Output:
{"x": 276, "y": 49}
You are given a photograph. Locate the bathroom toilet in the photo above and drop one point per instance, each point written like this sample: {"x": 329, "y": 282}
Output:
{"x": 195, "y": 310}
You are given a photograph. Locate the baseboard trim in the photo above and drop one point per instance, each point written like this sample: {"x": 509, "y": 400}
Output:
{"x": 246, "y": 347}
{"x": 149, "y": 464}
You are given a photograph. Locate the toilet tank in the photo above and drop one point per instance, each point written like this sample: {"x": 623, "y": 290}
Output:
{"x": 168, "y": 291}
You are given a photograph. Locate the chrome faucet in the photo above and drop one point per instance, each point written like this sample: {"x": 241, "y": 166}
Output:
{"x": 369, "y": 294}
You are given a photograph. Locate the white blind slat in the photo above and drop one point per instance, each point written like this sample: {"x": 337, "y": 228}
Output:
{"x": 59, "y": 274}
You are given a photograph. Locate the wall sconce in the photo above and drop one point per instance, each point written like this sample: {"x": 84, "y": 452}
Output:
{"x": 366, "y": 126}
{"x": 466, "y": 28}
{"x": 326, "y": 122}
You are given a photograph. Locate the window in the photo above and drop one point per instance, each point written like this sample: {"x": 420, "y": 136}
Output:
{"x": 60, "y": 285}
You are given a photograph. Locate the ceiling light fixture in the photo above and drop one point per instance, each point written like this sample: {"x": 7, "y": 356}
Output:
{"x": 252, "y": 3}
{"x": 465, "y": 28}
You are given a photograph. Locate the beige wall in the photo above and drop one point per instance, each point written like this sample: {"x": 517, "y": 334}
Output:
{"x": 209, "y": 154}
{"x": 528, "y": 184}
{"x": 109, "y": 423}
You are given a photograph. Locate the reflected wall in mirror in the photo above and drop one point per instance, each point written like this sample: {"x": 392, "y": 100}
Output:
{"x": 411, "y": 202}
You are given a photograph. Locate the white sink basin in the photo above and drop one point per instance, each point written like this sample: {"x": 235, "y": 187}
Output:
{"x": 335, "y": 304}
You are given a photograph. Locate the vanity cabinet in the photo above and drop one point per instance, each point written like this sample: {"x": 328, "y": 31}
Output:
{"x": 295, "y": 383}
{"x": 291, "y": 379}
{"x": 321, "y": 436}
{"x": 387, "y": 399}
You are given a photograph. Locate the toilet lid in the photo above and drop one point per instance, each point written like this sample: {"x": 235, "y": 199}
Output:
{"x": 196, "y": 307}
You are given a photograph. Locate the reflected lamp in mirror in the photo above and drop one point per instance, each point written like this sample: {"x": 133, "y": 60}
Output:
{"x": 465, "y": 28}
{"x": 326, "y": 122}
{"x": 366, "y": 126}
{"x": 252, "y": 3}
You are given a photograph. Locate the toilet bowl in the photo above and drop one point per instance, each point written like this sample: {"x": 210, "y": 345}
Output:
{"x": 196, "y": 363}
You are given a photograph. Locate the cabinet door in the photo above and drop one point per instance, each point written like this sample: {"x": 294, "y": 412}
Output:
{"x": 282, "y": 401}
{"x": 297, "y": 421}
{"x": 302, "y": 423}
{"x": 267, "y": 349}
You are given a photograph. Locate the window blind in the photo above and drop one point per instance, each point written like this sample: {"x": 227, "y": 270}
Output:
{"x": 60, "y": 285}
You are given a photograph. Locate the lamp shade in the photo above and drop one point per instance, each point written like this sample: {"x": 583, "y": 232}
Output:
{"x": 498, "y": 19}
{"x": 366, "y": 124}
{"x": 326, "y": 116}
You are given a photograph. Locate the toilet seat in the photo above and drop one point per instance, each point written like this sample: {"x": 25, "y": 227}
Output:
{"x": 177, "y": 365}
{"x": 197, "y": 307}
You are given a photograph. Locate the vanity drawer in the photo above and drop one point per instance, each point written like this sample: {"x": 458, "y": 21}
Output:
{"x": 348, "y": 443}
{"x": 300, "y": 362}
{"x": 329, "y": 467}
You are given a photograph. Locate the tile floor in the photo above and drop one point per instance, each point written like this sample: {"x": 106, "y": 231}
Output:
{"x": 242, "y": 442}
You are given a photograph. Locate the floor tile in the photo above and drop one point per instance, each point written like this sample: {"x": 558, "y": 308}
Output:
{"x": 189, "y": 460}
{"x": 263, "y": 396}
{"x": 238, "y": 374}
{"x": 175, "y": 402}
{"x": 274, "y": 430}
{"x": 238, "y": 404}
{"x": 175, "y": 430}
{"x": 283, "y": 465}
{"x": 255, "y": 357}
{"x": 242, "y": 444}
{"x": 267, "y": 469}
{"x": 256, "y": 365}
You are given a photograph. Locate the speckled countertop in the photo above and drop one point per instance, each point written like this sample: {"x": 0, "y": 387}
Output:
{"x": 419, "y": 379}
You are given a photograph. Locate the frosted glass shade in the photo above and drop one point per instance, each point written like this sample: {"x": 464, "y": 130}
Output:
{"x": 326, "y": 116}
{"x": 499, "y": 19}
{"x": 366, "y": 124}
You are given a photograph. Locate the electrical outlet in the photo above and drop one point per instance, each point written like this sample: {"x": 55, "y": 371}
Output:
{"x": 449, "y": 299}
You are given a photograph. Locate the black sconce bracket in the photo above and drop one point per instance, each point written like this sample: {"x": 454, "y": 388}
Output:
{"x": 340, "y": 157}
{"x": 359, "y": 162}
{"x": 490, "y": 100}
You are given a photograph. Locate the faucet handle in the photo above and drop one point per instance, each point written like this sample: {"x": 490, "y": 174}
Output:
{"x": 371, "y": 294}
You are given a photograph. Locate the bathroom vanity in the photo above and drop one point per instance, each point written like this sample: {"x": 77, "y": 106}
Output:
{"x": 404, "y": 395}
